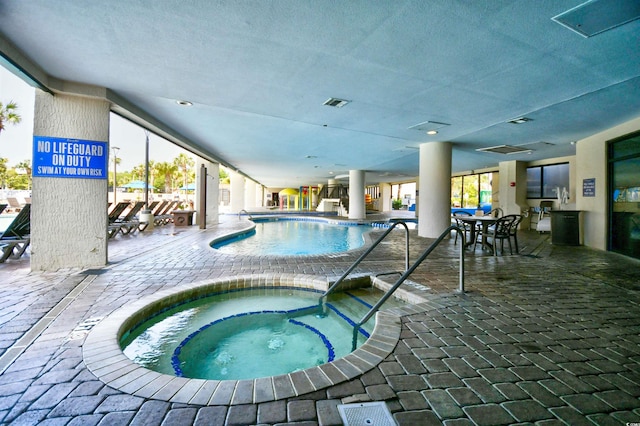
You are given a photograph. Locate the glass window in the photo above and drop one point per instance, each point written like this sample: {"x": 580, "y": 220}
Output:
{"x": 534, "y": 182}
{"x": 472, "y": 191}
{"x": 456, "y": 192}
{"x": 543, "y": 181}
{"x": 554, "y": 177}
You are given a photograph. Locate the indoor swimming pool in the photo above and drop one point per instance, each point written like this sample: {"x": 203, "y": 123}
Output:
{"x": 293, "y": 236}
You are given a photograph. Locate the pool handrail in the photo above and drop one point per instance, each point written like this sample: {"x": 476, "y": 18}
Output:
{"x": 243, "y": 210}
{"x": 409, "y": 271}
{"x": 365, "y": 254}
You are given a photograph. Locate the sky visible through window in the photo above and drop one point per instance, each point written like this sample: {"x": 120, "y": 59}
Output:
{"x": 16, "y": 141}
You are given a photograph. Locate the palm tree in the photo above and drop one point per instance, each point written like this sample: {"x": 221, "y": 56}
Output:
{"x": 137, "y": 173}
{"x": 184, "y": 162}
{"x": 26, "y": 166}
{"x": 166, "y": 169}
{"x": 8, "y": 114}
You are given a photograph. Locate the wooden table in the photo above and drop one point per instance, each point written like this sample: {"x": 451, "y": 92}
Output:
{"x": 485, "y": 222}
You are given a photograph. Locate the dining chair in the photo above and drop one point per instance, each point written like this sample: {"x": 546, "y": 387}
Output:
{"x": 513, "y": 231}
{"x": 497, "y": 212}
{"x": 466, "y": 227}
{"x": 500, "y": 231}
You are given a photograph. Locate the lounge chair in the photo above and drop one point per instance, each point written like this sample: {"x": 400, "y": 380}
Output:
{"x": 14, "y": 205}
{"x": 129, "y": 222}
{"x": 142, "y": 225}
{"x": 16, "y": 238}
{"x": 165, "y": 216}
{"x": 2, "y": 207}
{"x": 114, "y": 216}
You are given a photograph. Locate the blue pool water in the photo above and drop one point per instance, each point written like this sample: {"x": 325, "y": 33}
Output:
{"x": 250, "y": 333}
{"x": 285, "y": 237}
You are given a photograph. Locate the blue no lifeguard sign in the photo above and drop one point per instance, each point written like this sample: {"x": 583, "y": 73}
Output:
{"x": 69, "y": 158}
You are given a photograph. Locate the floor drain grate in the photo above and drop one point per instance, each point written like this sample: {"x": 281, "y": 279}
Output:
{"x": 366, "y": 414}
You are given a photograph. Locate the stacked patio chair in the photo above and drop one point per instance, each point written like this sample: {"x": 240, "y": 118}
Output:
{"x": 130, "y": 222}
{"x": 14, "y": 205}
{"x": 114, "y": 216}
{"x": 165, "y": 215}
{"x": 16, "y": 238}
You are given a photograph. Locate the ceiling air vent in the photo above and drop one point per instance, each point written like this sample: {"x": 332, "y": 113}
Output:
{"x": 519, "y": 120}
{"x": 335, "y": 102}
{"x": 597, "y": 16}
{"x": 428, "y": 126}
{"x": 504, "y": 149}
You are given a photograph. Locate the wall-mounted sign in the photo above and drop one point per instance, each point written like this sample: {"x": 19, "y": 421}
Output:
{"x": 589, "y": 187}
{"x": 69, "y": 158}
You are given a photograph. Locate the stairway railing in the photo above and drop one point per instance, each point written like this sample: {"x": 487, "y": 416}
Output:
{"x": 408, "y": 272}
{"x": 365, "y": 254}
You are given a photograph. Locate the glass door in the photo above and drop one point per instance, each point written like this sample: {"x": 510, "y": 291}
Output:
{"x": 624, "y": 209}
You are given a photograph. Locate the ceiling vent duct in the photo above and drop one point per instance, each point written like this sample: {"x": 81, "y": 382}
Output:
{"x": 504, "y": 149}
{"x": 519, "y": 120}
{"x": 597, "y": 16}
{"x": 335, "y": 102}
{"x": 428, "y": 126}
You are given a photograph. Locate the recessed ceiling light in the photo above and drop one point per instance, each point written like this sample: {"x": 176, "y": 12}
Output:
{"x": 335, "y": 102}
{"x": 184, "y": 103}
{"x": 519, "y": 120}
{"x": 432, "y": 132}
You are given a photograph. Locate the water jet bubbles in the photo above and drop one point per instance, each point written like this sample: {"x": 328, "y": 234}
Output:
{"x": 224, "y": 358}
{"x": 275, "y": 344}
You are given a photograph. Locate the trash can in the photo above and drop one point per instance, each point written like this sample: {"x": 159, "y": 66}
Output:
{"x": 183, "y": 217}
{"x": 565, "y": 227}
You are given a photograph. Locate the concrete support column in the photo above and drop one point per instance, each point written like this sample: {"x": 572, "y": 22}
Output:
{"x": 69, "y": 215}
{"x": 331, "y": 183}
{"x": 250, "y": 201}
{"x": 236, "y": 189}
{"x": 213, "y": 192}
{"x": 434, "y": 208}
{"x": 513, "y": 186}
{"x": 386, "y": 197}
{"x": 357, "y": 207}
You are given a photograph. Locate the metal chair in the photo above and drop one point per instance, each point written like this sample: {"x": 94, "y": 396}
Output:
{"x": 499, "y": 232}
{"x": 497, "y": 212}
{"x": 466, "y": 227}
{"x": 513, "y": 231}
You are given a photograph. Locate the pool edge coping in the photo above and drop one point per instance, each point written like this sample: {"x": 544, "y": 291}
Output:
{"x": 104, "y": 358}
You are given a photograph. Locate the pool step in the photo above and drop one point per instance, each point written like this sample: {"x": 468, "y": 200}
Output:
{"x": 307, "y": 310}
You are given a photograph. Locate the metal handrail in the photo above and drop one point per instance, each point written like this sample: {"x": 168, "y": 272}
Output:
{"x": 243, "y": 210}
{"x": 408, "y": 272}
{"x": 365, "y": 254}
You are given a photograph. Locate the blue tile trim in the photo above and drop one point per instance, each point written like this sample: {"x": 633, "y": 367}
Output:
{"x": 353, "y": 296}
{"x": 347, "y": 319}
{"x": 175, "y": 358}
{"x": 330, "y": 351}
